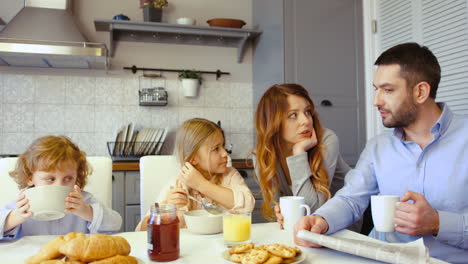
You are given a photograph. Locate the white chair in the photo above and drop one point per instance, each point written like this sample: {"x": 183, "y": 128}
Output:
{"x": 155, "y": 173}
{"x": 99, "y": 182}
{"x": 9, "y": 187}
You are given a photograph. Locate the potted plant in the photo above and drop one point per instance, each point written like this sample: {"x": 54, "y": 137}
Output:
{"x": 191, "y": 80}
{"x": 152, "y": 9}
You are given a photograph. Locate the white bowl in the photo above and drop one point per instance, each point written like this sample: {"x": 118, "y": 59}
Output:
{"x": 204, "y": 223}
{"x": 47, "y": 202}
{"x": 186, "y": 21}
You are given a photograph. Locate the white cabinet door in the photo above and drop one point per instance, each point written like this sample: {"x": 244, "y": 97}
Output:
{"x": 324, "y": 53}
{"x": 132, "y": 188}
{"x": 132, "y": 217}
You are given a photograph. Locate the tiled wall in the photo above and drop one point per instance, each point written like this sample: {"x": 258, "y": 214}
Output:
{"x": 90, "y": 110}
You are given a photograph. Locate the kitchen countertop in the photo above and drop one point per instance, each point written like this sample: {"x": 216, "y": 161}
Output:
{"x": 135, "y": 165}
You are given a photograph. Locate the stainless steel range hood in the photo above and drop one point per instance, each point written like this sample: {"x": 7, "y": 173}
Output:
{"x": 44, "y": 34}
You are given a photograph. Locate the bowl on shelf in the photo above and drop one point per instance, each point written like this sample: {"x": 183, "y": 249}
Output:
{"x": 186, "y": 21}
{"x": 203, "y": 223}
{"x": 121, "y": 17}
{"x": 47, "y": 202}
{"x": 226, "y": 22}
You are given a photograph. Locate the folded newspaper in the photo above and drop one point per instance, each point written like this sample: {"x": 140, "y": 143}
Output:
{"x": 412, "y": 252}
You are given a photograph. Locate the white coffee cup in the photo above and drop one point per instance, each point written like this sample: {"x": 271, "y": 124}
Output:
{"x": 291, "y": 209}
{"x": 383, "y": 212}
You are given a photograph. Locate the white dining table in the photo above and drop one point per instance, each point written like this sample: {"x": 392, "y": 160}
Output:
{"x": 195, "y": 249}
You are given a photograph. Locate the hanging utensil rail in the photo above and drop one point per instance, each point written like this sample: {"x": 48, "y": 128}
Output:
{"x": 134, "y": 69}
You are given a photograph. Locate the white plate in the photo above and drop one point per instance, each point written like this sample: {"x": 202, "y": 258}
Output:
{"x": 154, "y": 143}
{"x": 300, "y": 257}
{"x": 147, "y": 144}
{"x": 116, "y": 145}
{"x": 161, "y": 141}
{"x": 144, "y": 140}
{"x": 139, "y": 140}
{"x": 128, "y": 138}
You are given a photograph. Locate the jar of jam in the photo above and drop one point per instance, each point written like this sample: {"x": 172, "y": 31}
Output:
{"x": 163, "y": 233}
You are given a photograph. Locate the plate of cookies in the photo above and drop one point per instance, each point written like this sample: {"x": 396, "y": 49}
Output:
{"x": 264, "y": 254}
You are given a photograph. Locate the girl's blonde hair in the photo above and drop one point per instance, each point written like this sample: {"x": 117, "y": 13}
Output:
{"x": 49, "y": 153}
{"x": 271, "y": 111}
{"x": 191, "y": 135}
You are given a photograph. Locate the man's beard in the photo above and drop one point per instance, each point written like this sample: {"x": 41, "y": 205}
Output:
{"x": 403, "y": 116}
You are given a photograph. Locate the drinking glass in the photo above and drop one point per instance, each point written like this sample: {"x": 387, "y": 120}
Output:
{"x": 236, "y": 227}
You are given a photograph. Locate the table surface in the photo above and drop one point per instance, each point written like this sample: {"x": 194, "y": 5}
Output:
{"x": 194, "y": 248}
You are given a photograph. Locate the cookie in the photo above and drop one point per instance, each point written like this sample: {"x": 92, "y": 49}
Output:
{"x": 241, "y": 248}
{"x": 274, "y": 260}
{"x": 281, "y": 251}
{"x": 236, "y": 258}
{"x": 288, "y": 260}
{"x": 255, "y": 257}
{"x": 298, "y": 250}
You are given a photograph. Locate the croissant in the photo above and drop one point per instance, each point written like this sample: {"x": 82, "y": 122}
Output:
{"x": 51, "y": 250}
{"x": 59, "y": 261}
{"x": 95, "y": 247}
{"x": 117, "y": 260}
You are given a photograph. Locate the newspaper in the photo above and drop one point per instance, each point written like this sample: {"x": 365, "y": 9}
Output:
{"x": 412, "y": 252}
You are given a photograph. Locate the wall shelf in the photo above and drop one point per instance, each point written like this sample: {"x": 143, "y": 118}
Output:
{"x": 175, "y": 34}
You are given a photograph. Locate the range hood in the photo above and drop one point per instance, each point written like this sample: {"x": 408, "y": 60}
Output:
{"x": 44, "y": 34}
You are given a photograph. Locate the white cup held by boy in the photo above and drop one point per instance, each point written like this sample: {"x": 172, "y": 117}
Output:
{"x": 383, "y": 211}
{"x": 292, "y": 209}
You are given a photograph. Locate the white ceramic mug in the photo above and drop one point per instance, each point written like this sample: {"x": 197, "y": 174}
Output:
{"x": 291, "y": 209}
{"x": 383, "y": 212}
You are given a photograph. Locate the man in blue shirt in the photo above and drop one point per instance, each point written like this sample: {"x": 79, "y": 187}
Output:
{"x": 424, "y": 160}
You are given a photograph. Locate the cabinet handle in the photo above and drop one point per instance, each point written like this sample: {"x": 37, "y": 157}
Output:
{"x": 326, "y": 103}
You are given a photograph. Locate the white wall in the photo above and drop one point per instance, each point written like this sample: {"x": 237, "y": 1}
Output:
{"x": 90, "y": 109}
{"x": 89, "y": 106}
{"x": 171, "y": 56}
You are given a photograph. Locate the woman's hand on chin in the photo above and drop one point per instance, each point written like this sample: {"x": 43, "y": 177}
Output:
{"x": 306, "y": 144}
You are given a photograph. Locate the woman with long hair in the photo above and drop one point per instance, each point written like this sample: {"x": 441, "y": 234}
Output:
{"x": 295, "y": 154}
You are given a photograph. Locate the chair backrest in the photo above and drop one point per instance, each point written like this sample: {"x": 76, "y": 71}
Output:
{"x": 99, "y": 182}
{"x": 155, "y": 173}
{"x": 8, "y": 185}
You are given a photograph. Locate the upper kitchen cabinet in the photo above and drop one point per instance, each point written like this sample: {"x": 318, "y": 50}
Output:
{"x": 175, "y": 34}
{"x": 9, "y": 10}
{"x": 318, "y": 44}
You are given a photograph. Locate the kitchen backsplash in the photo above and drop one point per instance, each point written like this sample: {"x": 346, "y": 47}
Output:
{"x": 90, "y": 110}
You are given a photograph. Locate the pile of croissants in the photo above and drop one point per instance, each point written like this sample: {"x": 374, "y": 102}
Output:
{"x": 78, "y": 248}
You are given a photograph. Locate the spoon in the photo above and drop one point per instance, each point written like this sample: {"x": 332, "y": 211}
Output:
{"x": 209, "y": 207}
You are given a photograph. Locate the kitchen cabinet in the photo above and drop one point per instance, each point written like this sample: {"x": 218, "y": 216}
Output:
{"x": 126, "y": 197}
{"x": 175, "y": 34}
{"x": 318, "y": 44}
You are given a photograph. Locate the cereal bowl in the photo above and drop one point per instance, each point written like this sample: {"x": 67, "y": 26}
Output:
{"x": 47, "y": 202}
{"x": 203, "y": 223}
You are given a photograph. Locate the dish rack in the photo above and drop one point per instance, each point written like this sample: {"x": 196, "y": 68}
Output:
{"x": 132, "y": 151}
{"x": 131, "y": 144}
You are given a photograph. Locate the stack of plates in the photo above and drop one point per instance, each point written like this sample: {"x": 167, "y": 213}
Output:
{"x": 130, "y": 142}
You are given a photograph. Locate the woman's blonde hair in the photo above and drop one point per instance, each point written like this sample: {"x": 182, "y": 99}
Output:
{"x": 49, "y": 153}
{"x": 271, "y": 111}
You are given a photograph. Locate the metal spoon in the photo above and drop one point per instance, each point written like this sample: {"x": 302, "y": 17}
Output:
{"x": 209, "y": 207}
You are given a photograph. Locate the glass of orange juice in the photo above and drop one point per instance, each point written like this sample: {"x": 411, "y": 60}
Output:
{"x": 236, "y": 227}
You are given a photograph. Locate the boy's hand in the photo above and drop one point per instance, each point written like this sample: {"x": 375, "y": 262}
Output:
{"x": 191, "y": 177}
{"x": 20, "y": 214}
{"x": 22, "y": 207}
{"x": 76, "y": 205}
